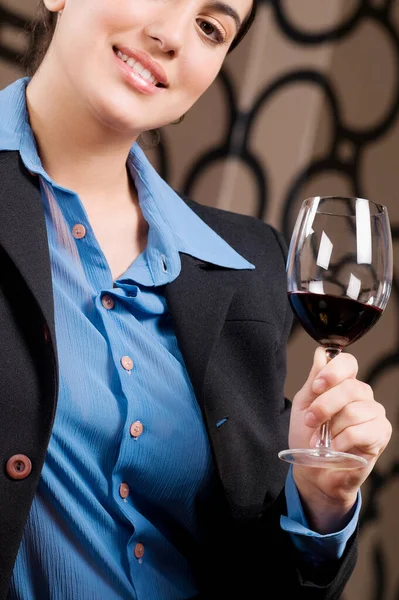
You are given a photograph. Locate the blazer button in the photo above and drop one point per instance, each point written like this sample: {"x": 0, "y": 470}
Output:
{"x": 18, "y": 466}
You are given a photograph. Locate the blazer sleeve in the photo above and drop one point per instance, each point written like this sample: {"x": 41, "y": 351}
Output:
{"x": 276, "y": 552}
{"x": 251, "y": 555}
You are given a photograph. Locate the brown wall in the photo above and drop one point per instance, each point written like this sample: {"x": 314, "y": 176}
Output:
{"x": 307, "y": 105}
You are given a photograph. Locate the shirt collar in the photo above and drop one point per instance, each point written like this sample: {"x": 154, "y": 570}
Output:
{"x": 174, "y": 227}
{"x": 13, "y": 115}
{"x": 191, "y": 235}
{"x": 15, "y": 129}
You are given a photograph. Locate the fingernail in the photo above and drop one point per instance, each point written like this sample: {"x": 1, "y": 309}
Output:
{"x": 310, "y": 419}
{"x": 319, "y": 385}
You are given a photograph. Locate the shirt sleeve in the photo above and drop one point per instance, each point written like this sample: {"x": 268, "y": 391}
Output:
{"x": 315, "y": 547}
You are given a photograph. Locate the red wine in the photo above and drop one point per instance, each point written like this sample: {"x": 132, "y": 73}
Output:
{"x": 333, "y": 320}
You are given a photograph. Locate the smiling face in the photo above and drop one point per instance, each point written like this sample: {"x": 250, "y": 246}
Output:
{"x": 140, "y": 64}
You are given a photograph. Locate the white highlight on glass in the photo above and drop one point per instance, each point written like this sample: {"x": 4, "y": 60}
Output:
{"x": 294, "y": 235}
{"x": 311, "y": 216}
{"x": 316, "y": 287}
{"x": 363, "y": 232}
{"x": 325, "y": 251}
{"x": 354, "y": 287}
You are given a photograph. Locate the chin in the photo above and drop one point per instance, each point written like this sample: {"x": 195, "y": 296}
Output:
{"x": 115, "y": 116}
{"x": 127, "y": 113}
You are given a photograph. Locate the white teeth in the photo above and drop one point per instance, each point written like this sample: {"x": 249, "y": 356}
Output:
{"x": 146, "y": 74}
{"x": 136, "y": 66}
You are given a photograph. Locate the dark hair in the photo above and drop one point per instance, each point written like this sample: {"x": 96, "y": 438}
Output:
{"x": 41, "y": 32}
{"x": 245, "y": 27}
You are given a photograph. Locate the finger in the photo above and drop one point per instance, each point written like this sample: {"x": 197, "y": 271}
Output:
{"x": 306, "y": 395}
{"x": 327, "y": 405}
{"x": 367, "y": 439}
{"x": 356, "y": 413}
{"x": 344, "y": 366}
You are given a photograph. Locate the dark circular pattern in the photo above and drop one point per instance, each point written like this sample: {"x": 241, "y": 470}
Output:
{"x": 10, "y": 18}
{"x": 304, "y": 37}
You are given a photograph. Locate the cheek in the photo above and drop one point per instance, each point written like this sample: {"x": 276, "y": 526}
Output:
{"x": 90, "y": 25}
{"x": 86, "y": 34}
{"x": 197, "y": 78}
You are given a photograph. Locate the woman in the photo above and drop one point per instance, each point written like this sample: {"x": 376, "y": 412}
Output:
{"x": 144, "y": 340}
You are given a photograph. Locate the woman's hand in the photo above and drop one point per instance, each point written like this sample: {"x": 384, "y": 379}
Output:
{"x": 358, "y": 426}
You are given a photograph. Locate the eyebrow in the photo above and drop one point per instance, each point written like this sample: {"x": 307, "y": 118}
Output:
{"x": 226, "y": 9}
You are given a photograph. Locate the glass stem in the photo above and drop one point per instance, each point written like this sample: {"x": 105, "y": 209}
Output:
{"x": 325, "y": 429}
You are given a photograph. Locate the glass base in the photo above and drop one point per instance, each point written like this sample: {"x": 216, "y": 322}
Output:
{"x": 323, "y": 458}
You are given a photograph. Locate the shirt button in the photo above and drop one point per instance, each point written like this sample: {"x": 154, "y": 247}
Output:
{"x": 108, "y": 302}
{"x": 136, "y": 429}
{"x": 79, "y": 231}
{"x": 127, "y": 363}
{"x": 139, "y": 550}
{"x": 124, "y": 490}
{"x": 18, "y": 466}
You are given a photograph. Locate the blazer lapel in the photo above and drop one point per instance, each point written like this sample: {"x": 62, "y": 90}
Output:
{"x": 198, "y": 301}
{"x": 27, "y": 247}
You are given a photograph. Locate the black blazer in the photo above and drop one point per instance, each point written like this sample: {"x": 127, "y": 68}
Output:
{"x": 232, "y": 327}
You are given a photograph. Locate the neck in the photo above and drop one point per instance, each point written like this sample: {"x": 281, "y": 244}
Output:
{"x": 77, "y": 150}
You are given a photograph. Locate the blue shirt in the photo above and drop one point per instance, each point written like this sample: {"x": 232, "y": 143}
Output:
{"x": 114, "y": 516}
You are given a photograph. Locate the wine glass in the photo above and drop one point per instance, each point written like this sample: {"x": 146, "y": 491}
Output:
{"x": 339, "y": 276}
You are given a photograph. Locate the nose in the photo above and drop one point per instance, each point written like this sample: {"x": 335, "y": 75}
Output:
{"x": 168, "y": 33}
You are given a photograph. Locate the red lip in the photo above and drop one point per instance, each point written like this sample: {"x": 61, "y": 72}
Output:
{"x": 147, "y": 62}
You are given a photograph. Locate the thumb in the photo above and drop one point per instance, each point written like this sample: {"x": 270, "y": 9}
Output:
{"x": 306, "y": 395}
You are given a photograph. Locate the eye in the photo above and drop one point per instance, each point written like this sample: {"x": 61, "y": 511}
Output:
{"x": 212, "y": 31}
